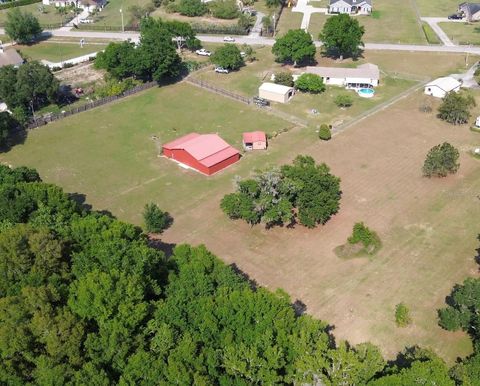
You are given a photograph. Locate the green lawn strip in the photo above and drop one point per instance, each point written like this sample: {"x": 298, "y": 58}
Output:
{"x": 160, "y": 12}
{"x": 57, "y": 52}
{"x": 462, "y": 33}
{"x": 430, "y": 34}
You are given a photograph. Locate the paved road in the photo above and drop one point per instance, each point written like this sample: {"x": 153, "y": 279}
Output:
{"x": 256, "y": 40}
{"x": 433, "y": 22}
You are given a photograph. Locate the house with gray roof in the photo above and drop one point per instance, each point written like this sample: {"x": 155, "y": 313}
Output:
{"x": 350, "y": 6}
{"x": 10, "y": 57}
{"x": 364, "y": 76}
{"x": 471, "y": 11}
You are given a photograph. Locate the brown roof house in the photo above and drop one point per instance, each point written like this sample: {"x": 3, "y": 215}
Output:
{"x": 10, "y": 57}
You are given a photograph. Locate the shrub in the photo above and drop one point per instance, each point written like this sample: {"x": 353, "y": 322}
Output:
{"x": 156, "y": 220}
{"x": 228, "y": 56}
{"x": 324, "y": 132}
{"x": 343, "y": 100}
{"x": 455, "y": 108}
{"x": 285, "y": 78}
{"x": 365, "y": 236}
{"x": 224, "y": 9}
{"x": 402, "y": 315}
{"x": 441, "y": 160}
{"x": 171, "y": 8}
{"x": 192, "y": 8}
{"x": 310, "y": 83}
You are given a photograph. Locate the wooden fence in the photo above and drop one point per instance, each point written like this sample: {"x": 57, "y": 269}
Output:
{"x": 43, "y": 120}
{"x": 220, "y": 91}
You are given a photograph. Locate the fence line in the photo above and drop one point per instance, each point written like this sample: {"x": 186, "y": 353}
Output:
{"x": 41, "y": 121}
{"x": 220, "y": 91}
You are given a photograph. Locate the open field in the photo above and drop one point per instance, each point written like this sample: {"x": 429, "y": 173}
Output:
{"x": 462, "y": 33}
{"x": 48, "y": 16}
{"x": 428, "y": 227}
{"x": 57, "y": 52}
{"x": 402, "y": 16}
{"x": 111, "y": 16}
{"x": 437, "y": 8}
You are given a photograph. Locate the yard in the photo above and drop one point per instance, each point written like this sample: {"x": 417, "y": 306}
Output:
{"x": 44, "y": 13}
{"x": 437, "y": 8}
{"x": 428, "y": 227}
{"x": 111, "y": 15}
{"x": 55, "y": 51}
{"x": 462, "y": 33}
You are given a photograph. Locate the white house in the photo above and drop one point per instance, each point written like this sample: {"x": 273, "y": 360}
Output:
{"x": 364, "y": 76}
{"x": 350, "y": 6}
{"x": 276, "y": 92}
{"x": 89, "y": 5}
{"x": 442, "y": 86}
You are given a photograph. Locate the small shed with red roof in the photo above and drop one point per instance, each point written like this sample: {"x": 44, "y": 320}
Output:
{"x": 206, "y": 153}
{"x": 256, "y": 140}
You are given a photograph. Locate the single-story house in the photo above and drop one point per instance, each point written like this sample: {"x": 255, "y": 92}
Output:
{"x": 10, "y": 57}
{"x": 364, "y": 76}
{"x": 440, "y": 87}
{"x": 276, "y": 92}
{"x": 256, "y": 140}
{"x": 206, "y": 153}
{"x": 350, "y": 6}
{"x": 471, "y": 11}
{"x": 89, "y": 5}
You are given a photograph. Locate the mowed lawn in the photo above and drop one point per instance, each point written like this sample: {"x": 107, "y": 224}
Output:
{"x": 437, "y": 7}
{"x": 44, "y": 13}
{"x": 462, "y": 33}
{"x": 111, "y": 15}
{"x": 56, "y": 51}
{"x": 392, "y": 22}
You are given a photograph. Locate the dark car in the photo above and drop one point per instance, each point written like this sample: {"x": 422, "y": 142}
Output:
{"x": 261, "y": 102}
{"x": 455, "y": 16}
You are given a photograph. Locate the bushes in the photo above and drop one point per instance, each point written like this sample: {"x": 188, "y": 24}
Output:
{"x": 310, "y": 83}
{"x": 224, "y": 9}
{"x": 402, "y": 315}
{"x": 192, "y": 8}
{"x": 343, "y": 100}
{"x": 114, "y": 87}
{"x": 155, "y": 219}
{"x": 285, "y": 78}
{"x": 368, "y": 238}
{"x": 441, "y": 160}
{"x": 324, "y": 132}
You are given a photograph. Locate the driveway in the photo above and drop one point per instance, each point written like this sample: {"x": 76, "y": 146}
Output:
{"x": 433, "y": 23}
{"x": 307, "y": 10}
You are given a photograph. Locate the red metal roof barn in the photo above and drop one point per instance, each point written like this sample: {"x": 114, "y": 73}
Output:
{"x": 206, "y": 153}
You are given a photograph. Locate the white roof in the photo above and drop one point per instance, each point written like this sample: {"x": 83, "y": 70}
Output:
{"x": 446, "y": 83}
{"x": 366, "y": 71}
{"x": 276, "y": 88}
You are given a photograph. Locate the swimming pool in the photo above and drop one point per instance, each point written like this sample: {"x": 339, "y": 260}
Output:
{"x": 366, "y": 92}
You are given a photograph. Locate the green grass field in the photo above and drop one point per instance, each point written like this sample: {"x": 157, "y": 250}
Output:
{"x": 379, "y": 29}
{"x": 462, "y": 33}
{"x": 437, "y": 7}
{"x": 57, "y": 52}
{"x": 288, "y": 20}
{"x": 49, "y": 15}
{"x": 430, "y": 34}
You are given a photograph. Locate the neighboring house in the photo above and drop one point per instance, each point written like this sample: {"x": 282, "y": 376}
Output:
{"x": 10, "y": 57}
{"x": 89, "y": 5}
{"x": 256, "y": 140}
{"x": 471, "y": 11}
{"x": 206, "y": 153}
{"x": 364, "y": 76}
{"x": 440, "y": 87}
{"x": 276, "y": 92}
{"x": 350, "y": 6}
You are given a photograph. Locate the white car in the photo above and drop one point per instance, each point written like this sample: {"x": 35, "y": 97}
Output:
{"x": 228, "y": 39}
{"x": 221, "y": 70}
{"x": 86, "y": 21}
{"x": 203, "y": 52}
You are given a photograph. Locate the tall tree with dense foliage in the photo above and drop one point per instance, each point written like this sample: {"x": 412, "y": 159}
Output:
{"x": 296, "y": 47}
{"x": 228, "y": 56}
{"x": 311, "y": 83}
{"x": 342, "y": 36}
{"x": 7, "y": 125}
{"x": 441, "y": 161}
{"x": 455, "y": 108}
{"x": 22, "y": 27}
{"x": 118, "y": 59}
{"x": 155, "y": 219}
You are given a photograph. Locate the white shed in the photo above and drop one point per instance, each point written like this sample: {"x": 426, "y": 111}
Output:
{"x": 442, "y": 86}
{"x": 275, "y": 92}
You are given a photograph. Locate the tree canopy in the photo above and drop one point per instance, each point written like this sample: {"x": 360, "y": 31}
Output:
{"x": 342, "y": 36}
{"x": 455, "y": 108}
{"x": 228, "y": 56}
{"x": 296, "y": 46}
{"x": 310, "y": 83}
{"x": 441, "y": 160}
{"x": 22, "y": 27}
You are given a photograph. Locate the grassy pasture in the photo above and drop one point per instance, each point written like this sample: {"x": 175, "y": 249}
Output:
{"x": 56, "y": 51}
{"x": 437, "y": 8}
{"x": 49, "y": 15}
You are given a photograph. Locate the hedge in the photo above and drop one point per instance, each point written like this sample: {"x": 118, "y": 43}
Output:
{"x": 18, "y": 3}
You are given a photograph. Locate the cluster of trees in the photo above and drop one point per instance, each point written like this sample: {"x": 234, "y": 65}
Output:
{"x": 228, "y": 56}
{"x": 221, "y": 9}
{"x": 455, "y": 108}
{"x": 22, "y": 27}
{"x": 306, "y": 82}
{"x": 441, "y": 161}
{"x": 85, "y": 300}
{"x": 303, "y": 192}
{"x": 155, "y": 58}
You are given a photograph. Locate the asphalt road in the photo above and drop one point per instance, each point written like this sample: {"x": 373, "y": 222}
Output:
{"x": 260, "y": 41}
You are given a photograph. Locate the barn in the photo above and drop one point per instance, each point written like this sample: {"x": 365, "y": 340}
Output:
{"x": 206, "y": 153}
{"x": 440, "y": 87}
{"x": 255, "y": 140}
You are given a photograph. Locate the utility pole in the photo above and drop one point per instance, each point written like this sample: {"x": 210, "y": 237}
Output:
{"x": 121, "y": 13}
{"x": 274, "y": 27}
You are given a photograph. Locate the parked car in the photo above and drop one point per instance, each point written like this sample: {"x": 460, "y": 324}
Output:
{"x": 455, "y": 16}
{"x": 243, "y": 54}
{"x": 86, "y": 21}
{"x": 203, "y": 52}
{"x": 261, "y": 102}
{"x": 228, "y": 39}
{"x": 221, "y": 70}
